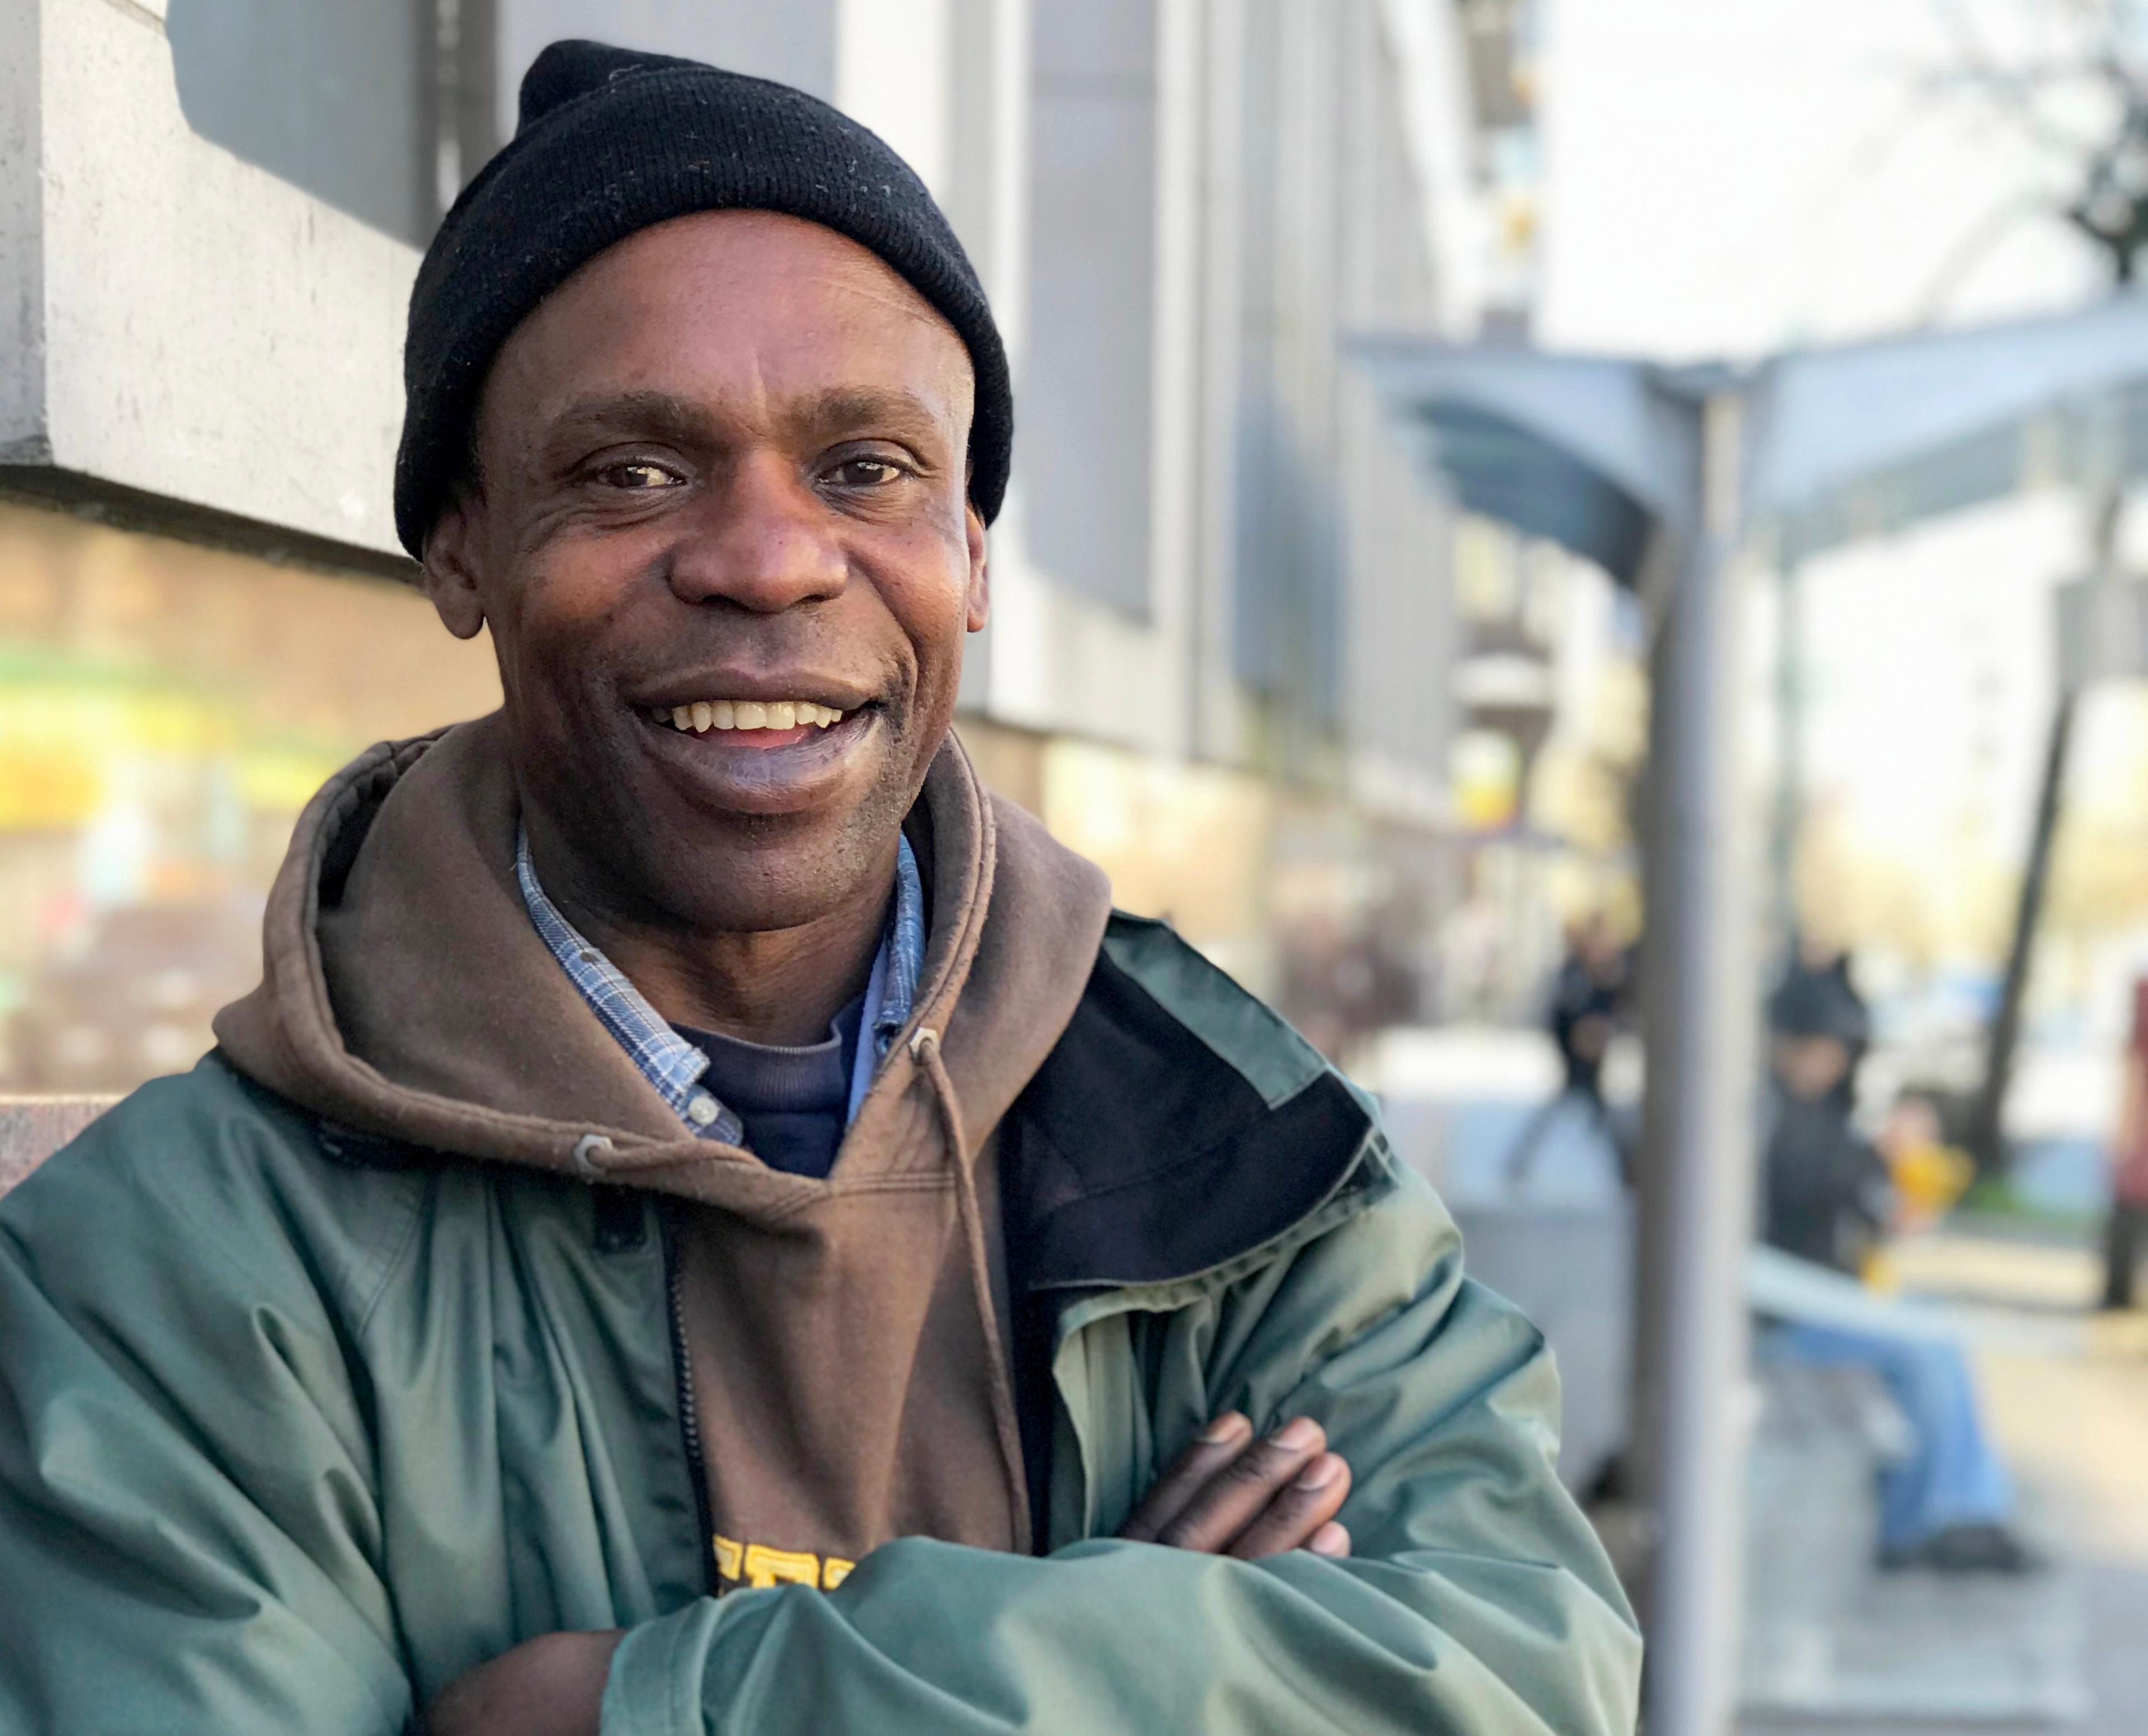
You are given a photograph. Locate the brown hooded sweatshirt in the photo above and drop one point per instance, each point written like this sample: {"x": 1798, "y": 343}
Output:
{"x": 845, "y": 1336}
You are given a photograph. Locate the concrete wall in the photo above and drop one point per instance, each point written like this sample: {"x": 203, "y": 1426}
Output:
{"x": 793, "y": 42}
{"x": 889, "y": 63}
{"x": 330, "y": 95}
{"x": 1287, "y": 603}
{"x": 1088, "y": 363}
{"x": 1217, "y": 546}
{"x": 1332, "y": 627}
{"x": 191, "y": 340}
{"x": 1093, "y": 561}
{"x": 339, "y": 98}
{"x": 1398, "y": 641}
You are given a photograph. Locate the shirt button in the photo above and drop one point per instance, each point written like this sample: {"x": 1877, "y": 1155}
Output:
{"x": 702, "y": 1110}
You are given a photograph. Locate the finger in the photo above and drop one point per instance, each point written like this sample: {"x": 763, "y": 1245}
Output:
{"x": 1222, "y": 1441}
{"x": 1296, "y": 1514}
{"x": 1332, "y": 1539}
{"x": 1234, "y": 1497}
{"x": 551, "y": 1686}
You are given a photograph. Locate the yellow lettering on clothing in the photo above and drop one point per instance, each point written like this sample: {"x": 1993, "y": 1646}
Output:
{"x": 756, "y": 1564}
{"x": 765, "y": 1567}
{"x": 729, "y": 1555}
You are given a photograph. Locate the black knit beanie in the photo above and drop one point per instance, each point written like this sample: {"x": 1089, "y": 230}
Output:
{"x": 609, "y": 142}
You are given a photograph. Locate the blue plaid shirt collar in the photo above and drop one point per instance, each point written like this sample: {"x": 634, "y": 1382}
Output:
{"x": 673, "y": 1066}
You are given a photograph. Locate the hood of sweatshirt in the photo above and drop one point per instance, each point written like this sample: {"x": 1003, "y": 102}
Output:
{"x": 406, "y": 995}
{"x": 845, "y": 1369}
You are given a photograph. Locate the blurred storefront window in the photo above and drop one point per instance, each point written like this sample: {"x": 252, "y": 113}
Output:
{"x": 1326, "y": 911}
{"x": 165, "y": 712}
{"x": 1191, "y": 844}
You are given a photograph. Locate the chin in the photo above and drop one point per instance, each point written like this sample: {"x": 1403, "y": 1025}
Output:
{"x": 755, "y": 873}
{"x": 703, "y": 839}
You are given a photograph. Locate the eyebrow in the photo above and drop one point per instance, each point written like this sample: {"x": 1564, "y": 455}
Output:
{"x": 822, "y": 417}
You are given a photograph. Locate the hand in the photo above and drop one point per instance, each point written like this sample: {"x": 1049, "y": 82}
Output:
{"x": 551, "y": 1686}
{"x": 1229, "y": 1494}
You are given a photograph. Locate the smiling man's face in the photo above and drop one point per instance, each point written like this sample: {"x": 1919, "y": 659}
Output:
{"x": 722, "y": 537}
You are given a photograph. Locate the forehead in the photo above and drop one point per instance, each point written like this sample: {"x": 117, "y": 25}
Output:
{"x": 728, "y": 305}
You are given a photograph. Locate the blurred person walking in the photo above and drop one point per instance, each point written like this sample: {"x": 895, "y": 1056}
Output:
{"x": 1590, "y": 1002}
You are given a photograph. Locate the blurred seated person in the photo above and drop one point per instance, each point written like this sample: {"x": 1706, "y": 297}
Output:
{"x": 1828, "y": 1195}
{"x": 1949, "y": 1506}
{"x": 1819, "y": 994}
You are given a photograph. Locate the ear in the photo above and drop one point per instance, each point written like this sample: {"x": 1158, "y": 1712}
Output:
{"x": 981, "y": 578}
{"x": 450, "y": 568}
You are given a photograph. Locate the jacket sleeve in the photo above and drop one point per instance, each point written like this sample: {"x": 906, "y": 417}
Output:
{"x": 171, "y": 1536}
{"x": 1477, "y": 1601}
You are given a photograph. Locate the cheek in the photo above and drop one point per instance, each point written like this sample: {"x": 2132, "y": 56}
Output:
{"x": 930, "y": 602}
{"x": 551, "y": 634}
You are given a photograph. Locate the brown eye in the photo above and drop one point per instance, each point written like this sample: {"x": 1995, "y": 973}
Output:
{"x": 867, "y": 472}
{"x": 636, "y": 477}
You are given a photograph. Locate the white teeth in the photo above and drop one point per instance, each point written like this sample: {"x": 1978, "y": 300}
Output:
{"x": 703, "y": 715}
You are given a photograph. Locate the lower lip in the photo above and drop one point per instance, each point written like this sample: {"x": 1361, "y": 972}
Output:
{"x": 767, "y": 770}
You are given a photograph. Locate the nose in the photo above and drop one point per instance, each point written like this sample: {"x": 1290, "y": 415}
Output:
{"x": 763, "y": 541}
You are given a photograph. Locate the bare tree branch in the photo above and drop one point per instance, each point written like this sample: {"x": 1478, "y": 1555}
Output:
{"x": 2109, "y": 167}
{"x": 1971, "y": 250}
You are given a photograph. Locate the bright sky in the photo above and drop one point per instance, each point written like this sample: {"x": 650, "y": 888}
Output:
{"x": 1729, "y": 176}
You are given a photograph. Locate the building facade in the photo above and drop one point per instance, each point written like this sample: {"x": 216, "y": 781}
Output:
{"x": 1224, "y": 624}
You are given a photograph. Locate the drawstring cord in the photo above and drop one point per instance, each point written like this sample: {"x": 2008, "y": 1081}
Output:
{"x": 925, "y": 1050}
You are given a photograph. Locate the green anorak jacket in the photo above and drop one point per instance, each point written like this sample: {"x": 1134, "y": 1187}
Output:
{"x": 373, "y": 1348}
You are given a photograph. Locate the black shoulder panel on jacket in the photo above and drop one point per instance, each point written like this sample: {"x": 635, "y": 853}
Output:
{"x": 1138, "y": 1155}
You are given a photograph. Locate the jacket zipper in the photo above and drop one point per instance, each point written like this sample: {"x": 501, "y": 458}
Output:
{"x": 690, "y": 1415}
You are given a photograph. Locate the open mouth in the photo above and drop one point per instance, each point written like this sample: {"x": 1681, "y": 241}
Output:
{"x": 751, "y": 723}
{"x": 764, "y": 756}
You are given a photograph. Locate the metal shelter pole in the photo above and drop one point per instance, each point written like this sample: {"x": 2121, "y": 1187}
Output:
{"x": 1697, "y": 1183}
{"x": 1987, "y": 1135}
{"x": 1789, "y": 820}
{"x": 1987, "y": 1128}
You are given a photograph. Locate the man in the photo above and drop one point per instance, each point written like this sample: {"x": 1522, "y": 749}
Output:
{"x": 1588, "y": 999}
{"x": 1947, "y": 1503}
{"x": 1829, "y": 1196}
{"x": 709, "y": 1222}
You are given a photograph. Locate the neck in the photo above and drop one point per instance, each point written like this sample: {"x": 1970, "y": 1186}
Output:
{"x": 782, "y": 986}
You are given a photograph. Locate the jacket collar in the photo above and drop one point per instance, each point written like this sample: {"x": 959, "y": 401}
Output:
{"x": 1141, "y": 1155}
